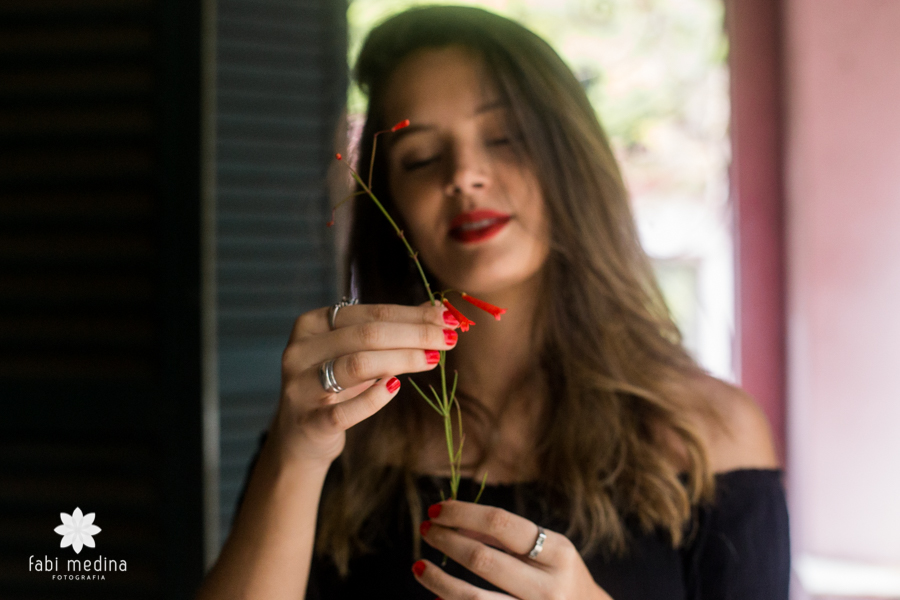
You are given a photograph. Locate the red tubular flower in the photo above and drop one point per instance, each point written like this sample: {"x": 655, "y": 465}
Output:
{"x": 400, "y": 125}
{"x": 464, "y": 321}
{"x": 489, "y": 308}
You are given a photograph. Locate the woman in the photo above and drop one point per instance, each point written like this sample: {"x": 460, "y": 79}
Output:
{"x": 615, "y": 467}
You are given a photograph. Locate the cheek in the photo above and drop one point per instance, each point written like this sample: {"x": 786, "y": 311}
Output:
{"x": 535, "y": 215}
{"x": 418, "y": 210}
{"x": 539, "y": 218}
{"x": 404, "y": 196}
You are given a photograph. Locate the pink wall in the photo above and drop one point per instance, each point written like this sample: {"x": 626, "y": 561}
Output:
{"x": 757, "y": 193}
{"x": 843, "y": 276}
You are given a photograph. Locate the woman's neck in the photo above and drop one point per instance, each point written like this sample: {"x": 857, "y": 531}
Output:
{"x": 498, "y": 364}
{"x": 498, "y": 360}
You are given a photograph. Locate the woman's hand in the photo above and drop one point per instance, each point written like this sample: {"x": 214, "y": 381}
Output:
{"x": 494, "y": 544}
{"x": 369, "y": 344}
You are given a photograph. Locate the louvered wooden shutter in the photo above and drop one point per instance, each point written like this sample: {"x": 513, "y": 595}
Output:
{"x": 281, "y": 84}
{"x": 99, "y": 292}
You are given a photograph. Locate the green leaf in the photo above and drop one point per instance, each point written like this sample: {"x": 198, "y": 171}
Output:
{"x": 459, "y": 415}
{"x": 427, "y": 399}
{"x": 483, "y": 483}
{"x": 439, "y": 401}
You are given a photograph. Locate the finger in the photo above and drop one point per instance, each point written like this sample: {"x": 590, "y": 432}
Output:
{"x": 512, "y": 531}
{"x": 448, "y": 587}
{"x": 484, "y": 539}
{"x": 356, "y": 368}
{"x": 316, "y": 322}
{"x": 507, "y": 572}
{"x": 375, "y": 336}
{"x": 341, "y": 416}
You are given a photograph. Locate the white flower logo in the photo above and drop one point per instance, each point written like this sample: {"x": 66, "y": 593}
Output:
{"x": 77, "y": 530}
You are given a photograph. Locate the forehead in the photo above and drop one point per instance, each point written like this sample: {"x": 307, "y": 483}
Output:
{"x": 436, "y": 82}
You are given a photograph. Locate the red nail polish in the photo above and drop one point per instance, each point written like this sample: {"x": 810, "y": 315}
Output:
{"x": 432, "y": 357}
{"x": 450, "y": 337}
{"x": 418, "y": 567}
{"x": 424, "y": 527}
{"x": 434, "y": 511}
{"x": 392, "y": 385}
{"x": 450, "y": 320}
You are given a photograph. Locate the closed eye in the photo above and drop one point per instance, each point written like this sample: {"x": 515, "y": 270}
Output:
{"x": 498, "y": 141}
{"x": 418, "y": 164}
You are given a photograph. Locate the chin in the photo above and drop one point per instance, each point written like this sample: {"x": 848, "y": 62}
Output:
{"x": 491, "y": 281}
{"x": 491, "y": 270}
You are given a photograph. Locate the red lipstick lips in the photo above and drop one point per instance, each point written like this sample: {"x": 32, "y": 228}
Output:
{"x": 477, "y": 225}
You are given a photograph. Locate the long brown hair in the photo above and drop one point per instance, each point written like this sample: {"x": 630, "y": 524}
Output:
{"x": 618, "y": 376}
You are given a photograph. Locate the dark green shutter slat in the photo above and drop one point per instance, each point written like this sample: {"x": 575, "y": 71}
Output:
{"x": 281, "y": 85}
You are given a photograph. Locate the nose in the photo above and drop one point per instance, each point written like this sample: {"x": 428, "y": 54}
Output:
{"x": 469, "y": 173}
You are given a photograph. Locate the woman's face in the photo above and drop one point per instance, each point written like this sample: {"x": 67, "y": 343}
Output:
{"x": 473, "y": 206}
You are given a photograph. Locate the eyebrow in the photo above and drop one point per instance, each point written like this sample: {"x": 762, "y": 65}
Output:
{"x": 415, "y": 128}
{"x": 491, "y": 106}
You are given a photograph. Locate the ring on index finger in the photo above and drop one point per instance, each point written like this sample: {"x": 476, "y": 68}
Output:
{"x": 333, "y": 311}
{"x": 326, "y": 377}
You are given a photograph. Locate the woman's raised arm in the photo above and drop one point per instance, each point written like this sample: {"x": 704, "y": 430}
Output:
{"x": 269, "y": 551}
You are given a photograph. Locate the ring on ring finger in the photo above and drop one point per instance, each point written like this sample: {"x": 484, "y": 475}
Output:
{"x": 538, "y": 543}
{"x": 327, "y": 379}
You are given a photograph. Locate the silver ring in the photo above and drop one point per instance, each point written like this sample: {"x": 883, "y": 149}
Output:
{"x": 538, "y": 543}
{"x": 326, "y": 377}
{"x": 333, "y": 311}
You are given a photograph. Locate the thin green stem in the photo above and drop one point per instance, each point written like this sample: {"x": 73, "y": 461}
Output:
{"x": 453, "y": 389}
{"x": 409, "y": 249}
{"x": 448, "y": 432}
{"x": 349, "y": 197}
{"x": 483, "y": 483}
{"x": 459, "y": 416}
{"x": 372, "y": 159}
{"x": 444, "y": 379}
{"x": 443, "y": 403}
{"x": 437, "y": 399}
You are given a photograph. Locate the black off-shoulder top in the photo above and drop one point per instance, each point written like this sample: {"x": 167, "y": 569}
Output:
{"x": 737, "y": 548}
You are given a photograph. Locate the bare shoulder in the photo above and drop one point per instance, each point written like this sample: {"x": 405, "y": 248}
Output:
{"x": 736, "y": 431}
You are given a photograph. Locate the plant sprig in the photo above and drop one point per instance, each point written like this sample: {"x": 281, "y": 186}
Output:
{"x": 442, "y": 402}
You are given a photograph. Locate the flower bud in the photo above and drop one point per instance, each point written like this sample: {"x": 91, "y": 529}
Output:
{"x": 400, "y": 125}
{"x": 496, "y": 311}
{"x": 464, "y": 322}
